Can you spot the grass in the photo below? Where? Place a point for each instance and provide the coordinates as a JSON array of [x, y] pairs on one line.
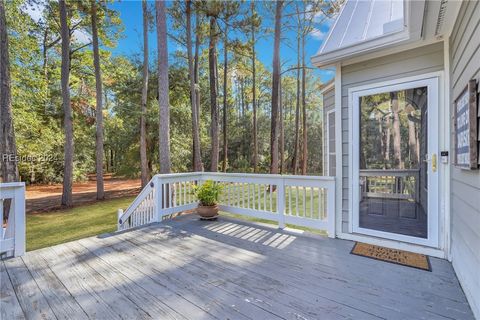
[[48, 229]]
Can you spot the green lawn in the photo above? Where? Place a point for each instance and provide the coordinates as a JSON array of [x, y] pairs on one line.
[[48, 229]]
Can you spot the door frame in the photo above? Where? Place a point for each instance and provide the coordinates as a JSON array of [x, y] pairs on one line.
[[433, 82]]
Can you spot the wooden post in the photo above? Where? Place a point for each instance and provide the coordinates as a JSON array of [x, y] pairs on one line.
[[331, 208], [281, 203], [158, 198], [119, 215]]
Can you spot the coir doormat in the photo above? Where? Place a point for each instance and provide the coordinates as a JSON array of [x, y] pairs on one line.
[[404, 258]]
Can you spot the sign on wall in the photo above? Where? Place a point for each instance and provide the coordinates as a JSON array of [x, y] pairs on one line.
[[465, 124]]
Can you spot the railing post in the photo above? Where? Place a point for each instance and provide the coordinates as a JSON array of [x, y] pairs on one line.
[[331, 209], [158, 198], [19, 213], [119, 214], [281, 203]]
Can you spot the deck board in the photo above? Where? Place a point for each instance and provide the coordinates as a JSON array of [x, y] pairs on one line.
[[225, 269], [9, 305]]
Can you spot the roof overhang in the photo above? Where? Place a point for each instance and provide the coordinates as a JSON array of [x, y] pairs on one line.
[[414, 12], [426, 22]]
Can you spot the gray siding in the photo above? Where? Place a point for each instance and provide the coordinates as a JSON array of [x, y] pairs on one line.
[[328, 104], [465, 185], [404, 64]]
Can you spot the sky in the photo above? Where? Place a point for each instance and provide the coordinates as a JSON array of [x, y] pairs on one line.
[[132, 41]]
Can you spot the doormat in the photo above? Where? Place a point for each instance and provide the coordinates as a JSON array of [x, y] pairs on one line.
[[404, 258]]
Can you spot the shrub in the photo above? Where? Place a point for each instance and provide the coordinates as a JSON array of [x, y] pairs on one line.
[[208, 193]]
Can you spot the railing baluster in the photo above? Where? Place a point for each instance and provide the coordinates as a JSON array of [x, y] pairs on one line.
[[312, 202], [264, 197], [296, 201], [243, 195], [270, 195], [184, 187], [304, 213], [259, 186], [289, 199]]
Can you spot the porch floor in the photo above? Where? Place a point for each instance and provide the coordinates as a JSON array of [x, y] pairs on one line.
[[224, 269]]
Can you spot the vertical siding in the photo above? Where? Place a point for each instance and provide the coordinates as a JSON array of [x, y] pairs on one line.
[[404, 64], [465, 185], [328, 104]]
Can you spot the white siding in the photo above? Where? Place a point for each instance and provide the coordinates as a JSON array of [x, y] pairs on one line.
[[404, 64], [465, 185]]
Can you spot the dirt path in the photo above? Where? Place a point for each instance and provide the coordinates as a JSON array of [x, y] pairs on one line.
[[44, 198]]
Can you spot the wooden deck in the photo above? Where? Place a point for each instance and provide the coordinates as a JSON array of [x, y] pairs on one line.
[[226, 269]]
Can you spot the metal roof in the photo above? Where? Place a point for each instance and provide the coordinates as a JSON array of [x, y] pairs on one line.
[[363, 20]]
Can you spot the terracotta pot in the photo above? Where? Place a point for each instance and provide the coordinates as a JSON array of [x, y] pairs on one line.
[[207, 212]]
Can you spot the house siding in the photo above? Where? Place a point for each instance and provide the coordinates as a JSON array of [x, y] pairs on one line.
[[328, 105], [400, 65], [465, 184]]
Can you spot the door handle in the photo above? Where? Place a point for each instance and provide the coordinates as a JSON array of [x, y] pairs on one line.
[[434, 162]]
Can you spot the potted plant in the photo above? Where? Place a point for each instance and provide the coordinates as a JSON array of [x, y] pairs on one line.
[[207, 195]]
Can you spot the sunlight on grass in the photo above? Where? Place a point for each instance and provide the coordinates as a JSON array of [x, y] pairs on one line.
[[48, 229]]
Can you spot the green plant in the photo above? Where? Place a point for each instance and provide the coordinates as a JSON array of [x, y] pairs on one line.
[[208, 193]]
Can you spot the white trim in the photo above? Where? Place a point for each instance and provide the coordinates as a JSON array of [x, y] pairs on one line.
[[338, 148], [445, 145], [389, 51], [329, 86], [432, 81], [328, 142]]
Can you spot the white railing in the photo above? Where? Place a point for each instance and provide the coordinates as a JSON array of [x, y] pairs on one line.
[[174, 192], [391, 184], [12, 212], [307, 201]]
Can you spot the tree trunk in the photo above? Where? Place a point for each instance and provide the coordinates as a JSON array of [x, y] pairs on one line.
[[163, 99], [276, 78], [197, 85], [388, 130], [212, 65], [225, 106], [99, 107], [282, 131], [8, 147], [296, 148], [254, 95], [196, 73], [67, 108], [304, 110], [197, 161], [397, 149], [412, 144], [145, 174]]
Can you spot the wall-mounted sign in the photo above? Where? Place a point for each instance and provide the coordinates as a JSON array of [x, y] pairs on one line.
[[465, 124]]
